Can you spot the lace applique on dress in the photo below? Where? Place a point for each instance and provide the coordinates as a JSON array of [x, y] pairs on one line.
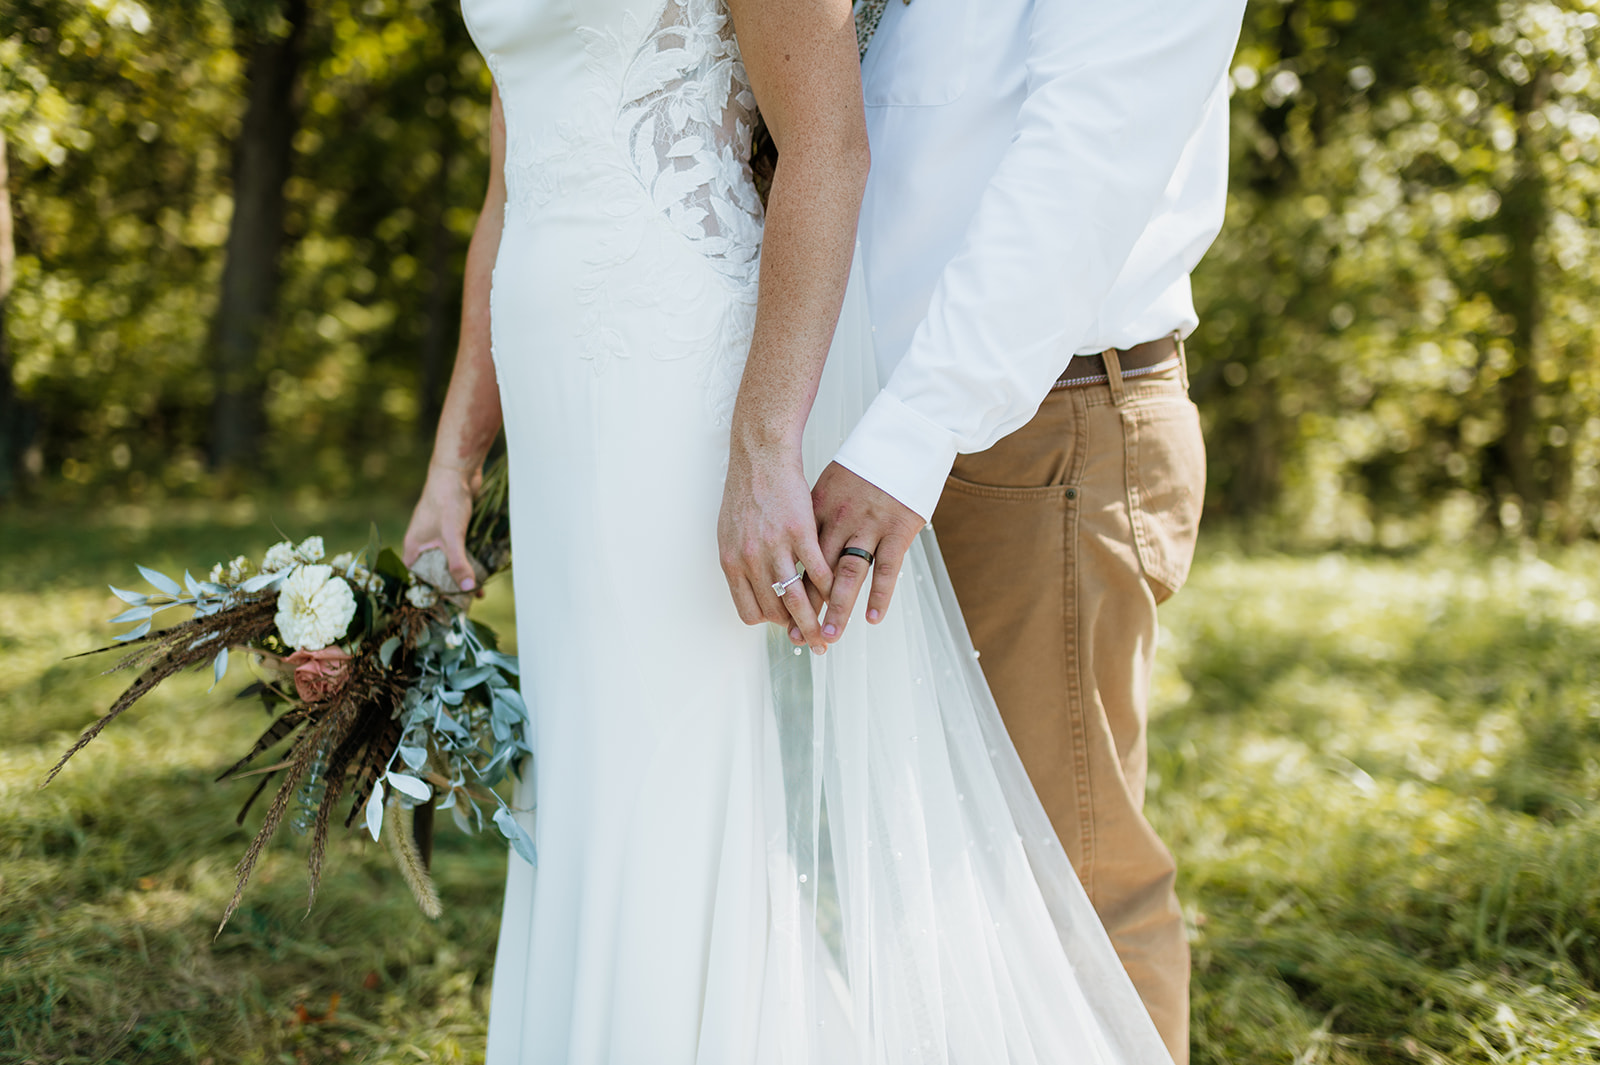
[[684, 118], [684, 114]]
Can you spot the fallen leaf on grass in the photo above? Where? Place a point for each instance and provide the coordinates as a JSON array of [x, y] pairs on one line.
[[303, 1017]]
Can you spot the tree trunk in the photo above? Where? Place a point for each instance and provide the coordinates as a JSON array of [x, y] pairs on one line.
[[1525, 211], [443, 285], [441, 327], [10, 417], [261, 161]]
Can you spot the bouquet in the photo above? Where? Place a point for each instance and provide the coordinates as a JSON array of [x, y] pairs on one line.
[[379, 685]]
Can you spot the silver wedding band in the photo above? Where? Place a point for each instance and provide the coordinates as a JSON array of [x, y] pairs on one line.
[[780, 587]]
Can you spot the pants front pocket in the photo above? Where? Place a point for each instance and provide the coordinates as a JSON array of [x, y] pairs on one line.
[[1166, 488]]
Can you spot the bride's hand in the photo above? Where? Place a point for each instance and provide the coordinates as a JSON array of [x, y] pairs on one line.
[[766, 526], [440, 520]]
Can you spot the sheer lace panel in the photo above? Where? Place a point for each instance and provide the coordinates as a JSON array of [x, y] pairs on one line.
[[685, 117]]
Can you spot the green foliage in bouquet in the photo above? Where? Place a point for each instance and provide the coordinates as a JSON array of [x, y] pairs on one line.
[[380, 687]]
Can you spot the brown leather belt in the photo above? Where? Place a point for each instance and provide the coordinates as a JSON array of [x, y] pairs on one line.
[[1137, 361]]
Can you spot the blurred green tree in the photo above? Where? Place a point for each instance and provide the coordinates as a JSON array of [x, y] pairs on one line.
[[1398, 309], [1398, 333], [9, 415], [139, 170]]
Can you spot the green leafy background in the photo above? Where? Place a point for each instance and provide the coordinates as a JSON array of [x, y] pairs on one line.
[[1376, 734]]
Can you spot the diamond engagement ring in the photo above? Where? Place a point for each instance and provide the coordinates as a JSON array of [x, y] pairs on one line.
[[780, 587]]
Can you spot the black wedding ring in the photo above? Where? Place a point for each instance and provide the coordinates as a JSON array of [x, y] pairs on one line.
[[858, 552]]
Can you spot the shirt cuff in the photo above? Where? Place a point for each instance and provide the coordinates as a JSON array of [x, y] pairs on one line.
[[901, 452]]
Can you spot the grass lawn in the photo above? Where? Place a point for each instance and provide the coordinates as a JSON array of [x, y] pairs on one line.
[[1380, 777]]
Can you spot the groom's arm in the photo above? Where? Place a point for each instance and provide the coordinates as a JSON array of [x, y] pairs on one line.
[[1115, 91]]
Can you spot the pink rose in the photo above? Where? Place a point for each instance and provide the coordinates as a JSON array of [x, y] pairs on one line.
[[319, 675]]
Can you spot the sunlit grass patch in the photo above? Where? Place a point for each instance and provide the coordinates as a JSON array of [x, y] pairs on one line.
[[112, 880], [1380, 779]]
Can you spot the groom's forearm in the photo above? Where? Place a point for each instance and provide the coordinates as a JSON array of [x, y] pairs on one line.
[[1115, 94]]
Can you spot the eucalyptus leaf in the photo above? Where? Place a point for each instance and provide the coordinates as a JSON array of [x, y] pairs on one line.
[[190, 585], [161, 581], [512, 697], [503, 753], [375, 809], [459, 813], [219, 667], [137, 613], [414, 757], [133, 634], [386, 652], [484, 635], [409, 785], [471, 678], [521, 842], [443, 722], [506, 662], [135, 598], [493, 774], [261, 581]]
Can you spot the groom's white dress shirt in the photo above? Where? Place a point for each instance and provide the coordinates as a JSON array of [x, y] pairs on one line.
[[1045, 174]]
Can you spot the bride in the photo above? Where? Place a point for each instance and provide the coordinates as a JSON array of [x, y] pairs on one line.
[[747, 853]]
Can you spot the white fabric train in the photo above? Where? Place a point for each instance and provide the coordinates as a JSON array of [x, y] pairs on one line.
[[922, 909]]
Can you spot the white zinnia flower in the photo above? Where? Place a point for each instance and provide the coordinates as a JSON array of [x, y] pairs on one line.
[[278, 557], [216, 574], [310, 549], [314, 608], [421, 596]]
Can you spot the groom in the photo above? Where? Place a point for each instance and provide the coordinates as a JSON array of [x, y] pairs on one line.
[[1045, 175]]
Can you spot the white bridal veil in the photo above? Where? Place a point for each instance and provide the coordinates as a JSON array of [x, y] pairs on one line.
[[921, 908]]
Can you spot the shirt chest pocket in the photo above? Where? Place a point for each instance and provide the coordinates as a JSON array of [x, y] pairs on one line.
[[920, 55]]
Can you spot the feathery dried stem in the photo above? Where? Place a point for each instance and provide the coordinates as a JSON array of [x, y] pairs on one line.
[[285, 724], [301, 756], [173, 649], [489, 529], [403, 845]]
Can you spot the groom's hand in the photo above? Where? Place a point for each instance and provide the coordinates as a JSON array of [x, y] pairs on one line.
[[853, 512]]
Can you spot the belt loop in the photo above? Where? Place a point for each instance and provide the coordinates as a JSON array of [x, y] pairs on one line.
[[1183, 360], [1113, 374]]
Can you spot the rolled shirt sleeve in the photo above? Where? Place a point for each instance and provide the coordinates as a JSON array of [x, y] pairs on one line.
[[1115, 91]]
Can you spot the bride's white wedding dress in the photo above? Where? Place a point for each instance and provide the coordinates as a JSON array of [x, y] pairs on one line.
[[745, 855]]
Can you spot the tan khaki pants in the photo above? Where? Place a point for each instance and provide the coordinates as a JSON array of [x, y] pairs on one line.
[[1060, 541]]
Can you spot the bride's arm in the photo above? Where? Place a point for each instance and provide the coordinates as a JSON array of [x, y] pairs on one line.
[[470, 417], [804, 68]]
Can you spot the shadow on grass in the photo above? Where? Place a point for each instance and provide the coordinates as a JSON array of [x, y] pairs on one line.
[[109, 906]]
